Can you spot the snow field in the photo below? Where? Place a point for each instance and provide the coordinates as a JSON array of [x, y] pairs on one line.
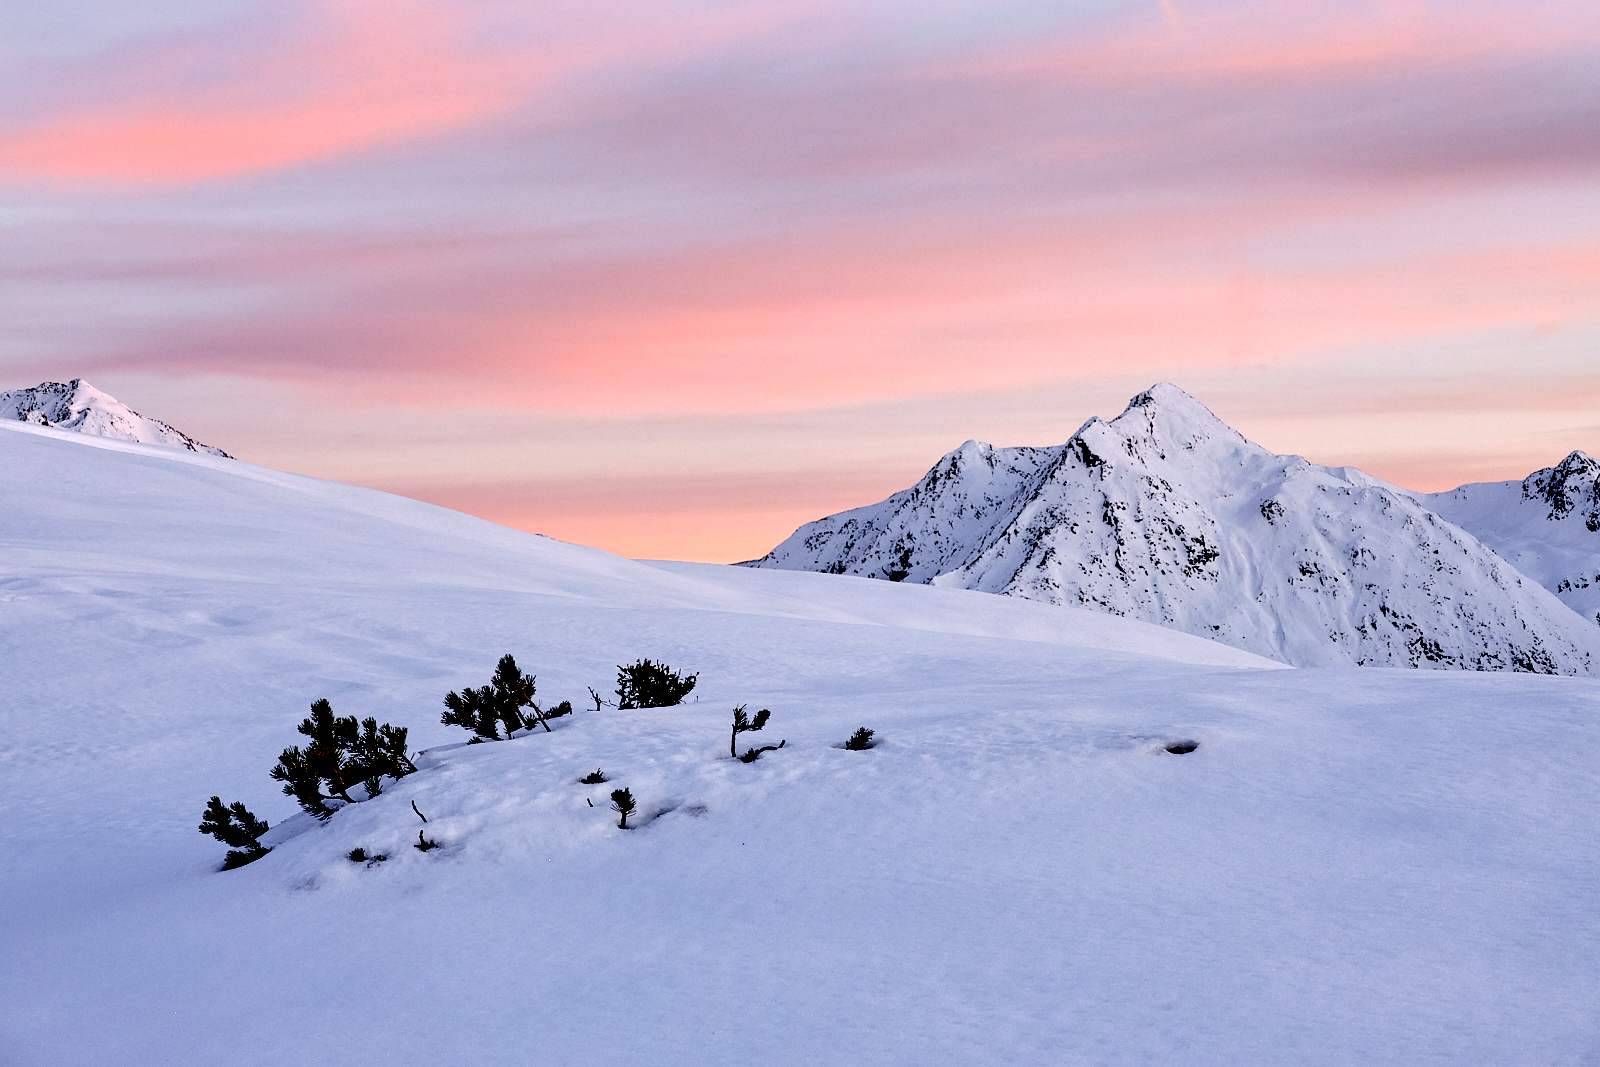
[[1355, 866]]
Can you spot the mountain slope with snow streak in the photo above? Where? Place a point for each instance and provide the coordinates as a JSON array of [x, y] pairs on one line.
[[1547, 526], [1167, 515], [79, 406]]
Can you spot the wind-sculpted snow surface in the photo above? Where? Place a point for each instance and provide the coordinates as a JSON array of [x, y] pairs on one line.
[[1382, 868], [79, 406], [1547, 526], [1166, 514]]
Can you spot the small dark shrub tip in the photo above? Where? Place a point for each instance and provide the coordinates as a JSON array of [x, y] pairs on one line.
[[860, 741], [593, 779]]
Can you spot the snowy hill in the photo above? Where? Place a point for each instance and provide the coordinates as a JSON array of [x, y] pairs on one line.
[[1547, 526], [1166, 514], [1374, 867], [77, 405]]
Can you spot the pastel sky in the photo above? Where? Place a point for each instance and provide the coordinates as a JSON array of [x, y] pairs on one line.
[[671, 278]]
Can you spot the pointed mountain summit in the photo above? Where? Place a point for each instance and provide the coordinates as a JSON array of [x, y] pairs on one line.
[[77, 405], [1547, 526], [1167, 514]]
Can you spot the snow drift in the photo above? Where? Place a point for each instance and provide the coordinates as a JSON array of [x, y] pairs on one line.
[[1166, 514]]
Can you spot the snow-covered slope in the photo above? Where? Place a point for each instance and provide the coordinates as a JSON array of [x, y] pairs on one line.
[[1547, 526], [1373, 867], [1167, 515], [77, 405]]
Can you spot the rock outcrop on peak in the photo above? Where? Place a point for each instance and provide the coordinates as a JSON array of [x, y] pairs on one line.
[[1547, 526], [77, 405], [1167, 514]]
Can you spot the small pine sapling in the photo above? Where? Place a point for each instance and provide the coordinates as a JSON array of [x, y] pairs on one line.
[[234, 825], [593, 779], [622, 803], [425, 844], [359, 855], [651, 685], [860, 741], [743, 724]]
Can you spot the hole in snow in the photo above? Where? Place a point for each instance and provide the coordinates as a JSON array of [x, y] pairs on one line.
[[1180, 748]]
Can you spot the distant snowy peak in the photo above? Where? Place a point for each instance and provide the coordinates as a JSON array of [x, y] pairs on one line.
[[1167, 514], [1547, 525], [77, 405], [1571, 488]]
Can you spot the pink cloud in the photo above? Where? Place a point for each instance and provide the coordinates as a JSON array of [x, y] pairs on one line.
[[310, 82], [759, 207], [318, 79]]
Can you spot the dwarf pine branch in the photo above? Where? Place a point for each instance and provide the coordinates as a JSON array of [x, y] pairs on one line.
[[743, 724], [235, 825]]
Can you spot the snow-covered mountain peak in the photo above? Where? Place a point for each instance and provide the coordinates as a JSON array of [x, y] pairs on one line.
[[1547, 526], [1167, 514], [79, 406], [1571, 485]]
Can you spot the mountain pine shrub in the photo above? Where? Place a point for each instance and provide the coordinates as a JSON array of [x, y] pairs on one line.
[[593, 779], [860, 741], [622, 802], [342, 754], [651, 685], [234, 825], [484, 710]]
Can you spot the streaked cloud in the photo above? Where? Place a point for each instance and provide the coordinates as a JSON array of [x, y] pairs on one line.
[[740, 211]]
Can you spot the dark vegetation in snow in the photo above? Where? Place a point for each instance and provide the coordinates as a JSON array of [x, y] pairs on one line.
[[235, 825], [860, 741], [651, 685], [623, 803], [500, 703], [341, 755], [742, 723]]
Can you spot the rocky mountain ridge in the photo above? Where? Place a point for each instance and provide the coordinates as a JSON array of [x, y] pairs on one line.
[[1168, 515], [1547, 526]]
